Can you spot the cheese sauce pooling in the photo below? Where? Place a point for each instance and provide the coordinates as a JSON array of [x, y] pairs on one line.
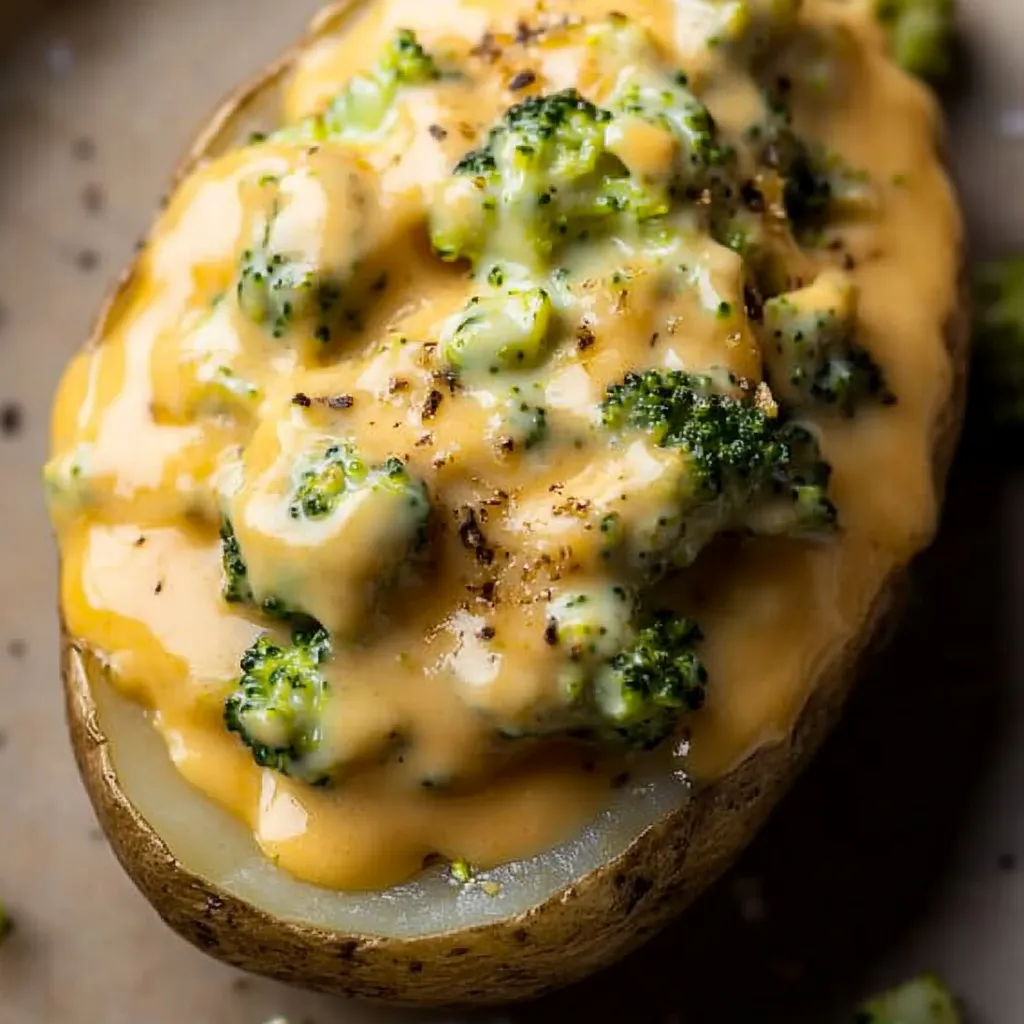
[[207, 387]]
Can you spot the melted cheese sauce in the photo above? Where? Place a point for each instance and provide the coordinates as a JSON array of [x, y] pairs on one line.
[[147, 427]]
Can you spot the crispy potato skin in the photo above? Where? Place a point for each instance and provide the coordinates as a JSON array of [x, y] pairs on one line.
[[588, 925]]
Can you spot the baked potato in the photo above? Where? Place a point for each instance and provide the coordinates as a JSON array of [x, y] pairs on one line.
[[469, 359]]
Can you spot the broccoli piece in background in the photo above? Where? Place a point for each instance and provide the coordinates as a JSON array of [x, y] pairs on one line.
[[807, 188], [278, 708], [809, 349], [998, 383], [499, 332], [623, 682], [749, 28], [361, 109], [920, 34], [924, 1000]]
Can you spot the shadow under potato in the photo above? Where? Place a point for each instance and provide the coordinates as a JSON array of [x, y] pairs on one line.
[[864, 841]]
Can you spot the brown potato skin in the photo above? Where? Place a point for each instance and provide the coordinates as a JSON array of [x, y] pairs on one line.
[[588, 925]]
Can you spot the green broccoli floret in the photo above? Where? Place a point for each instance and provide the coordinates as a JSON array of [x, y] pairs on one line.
[[809, 348], [807, 188], [275, 289], [749, 28], [925, 1000], [544, 177], [338, 473], [506, 331], [736, 462], [623, 682], [333, 531], [235, 588], [920, 34], [278, 707], [526, 420], [649, 684], [999, 340], [669, 104], [361, 109]]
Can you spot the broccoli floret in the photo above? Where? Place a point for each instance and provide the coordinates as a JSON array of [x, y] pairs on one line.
[[275, 289], [330, 530], [925, 1000], [795, 501], [545, 176], [361, 109], [650, 683], [999, 340], [807, 188], [526, 420], [506, 331], [736, 464], [315, 275], [278, 707], [339, 473], [623, 682], [672, 107], [749, 28], [920, 34], [235, 588], [809, 348]]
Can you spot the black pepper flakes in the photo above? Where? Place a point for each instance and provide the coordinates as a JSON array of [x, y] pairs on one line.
[[432, 404], [473, 538], [486, 633], [585, 336], [340, 402], [487, 48], [522, 80], [302, 400], [437, 133], [551, 633], [525, 34], [159, 588]]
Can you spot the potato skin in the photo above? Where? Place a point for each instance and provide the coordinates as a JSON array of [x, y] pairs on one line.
[[588, 925]]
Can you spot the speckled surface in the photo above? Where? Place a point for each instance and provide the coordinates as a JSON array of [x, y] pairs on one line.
[[900, 851]]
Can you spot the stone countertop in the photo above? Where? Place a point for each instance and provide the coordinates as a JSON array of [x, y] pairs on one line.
[[898, 853]]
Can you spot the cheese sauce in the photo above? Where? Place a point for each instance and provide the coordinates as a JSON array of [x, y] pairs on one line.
[[191, 408]]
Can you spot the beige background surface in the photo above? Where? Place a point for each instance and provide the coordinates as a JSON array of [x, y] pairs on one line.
[[899, 853]]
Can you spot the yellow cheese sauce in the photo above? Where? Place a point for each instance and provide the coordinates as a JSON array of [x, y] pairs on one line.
[[188, 410]]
